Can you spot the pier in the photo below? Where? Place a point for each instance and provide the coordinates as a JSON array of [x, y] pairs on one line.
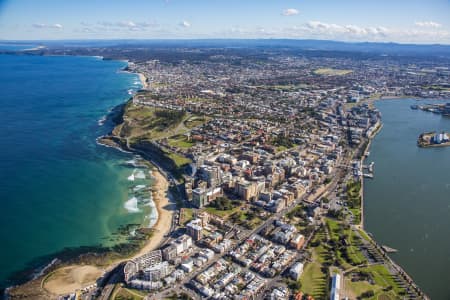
[[369, 168]]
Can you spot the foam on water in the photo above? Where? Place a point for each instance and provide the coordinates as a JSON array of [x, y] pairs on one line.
[[132, 205], [131, 177], [139, 175], [153, 216], [147, 201], [63, 147], [139, 187], [101, 122], [136, 162], [108, 146], [131, 162]]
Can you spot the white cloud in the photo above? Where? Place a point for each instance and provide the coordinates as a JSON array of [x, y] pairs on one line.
[[127, 25], [348, 32], [290, 12], [355, 31], [429, 24], [317, 25], [147, 24], [185, 24], [420, 32], [42, 25]]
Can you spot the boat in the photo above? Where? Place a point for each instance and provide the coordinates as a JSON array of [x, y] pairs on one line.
[[414, 106]]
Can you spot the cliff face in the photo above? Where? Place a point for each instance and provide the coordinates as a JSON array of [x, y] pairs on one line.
[[139, 128], [117, 113], [157, 154]]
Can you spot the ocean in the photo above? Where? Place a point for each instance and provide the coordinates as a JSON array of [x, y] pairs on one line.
[[407, 204], [58, 187]]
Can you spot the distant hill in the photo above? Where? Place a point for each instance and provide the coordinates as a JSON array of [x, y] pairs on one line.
[[323, 45]]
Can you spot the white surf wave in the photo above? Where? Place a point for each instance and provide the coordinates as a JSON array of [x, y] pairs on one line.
[[131, 162], [139, 187], [132, 205], [139, 175], [101, 122], [153, 216]]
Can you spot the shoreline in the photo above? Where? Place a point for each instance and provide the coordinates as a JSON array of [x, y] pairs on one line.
[[165, 207], [143, 80], [435, 145], [364, 157], [162, 198], [62, 283], [142, 77], [372, 239], [163, 203], [407, 97]]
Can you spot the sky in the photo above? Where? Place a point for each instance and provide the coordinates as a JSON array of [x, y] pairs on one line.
[[403, 21]]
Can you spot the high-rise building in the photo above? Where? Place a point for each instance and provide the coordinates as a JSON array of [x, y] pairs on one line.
[[246, 190], [157, 272], [148, 260], [194, 229], [199, 197]]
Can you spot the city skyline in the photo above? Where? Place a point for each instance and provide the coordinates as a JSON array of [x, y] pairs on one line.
[[355, 21]]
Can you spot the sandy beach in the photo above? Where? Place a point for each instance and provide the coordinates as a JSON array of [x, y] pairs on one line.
[[143, 80], [71, 278], [165, 208]]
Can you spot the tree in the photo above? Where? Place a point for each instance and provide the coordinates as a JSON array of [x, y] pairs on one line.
[[368, 294], [222, 203]]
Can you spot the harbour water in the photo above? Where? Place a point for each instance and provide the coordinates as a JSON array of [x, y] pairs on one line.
[[58, 187], [407, 204]]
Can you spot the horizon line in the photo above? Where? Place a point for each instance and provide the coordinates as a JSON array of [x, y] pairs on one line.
[[221, 39]]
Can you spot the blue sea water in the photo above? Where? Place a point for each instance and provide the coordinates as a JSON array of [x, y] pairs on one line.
[[58, 188]]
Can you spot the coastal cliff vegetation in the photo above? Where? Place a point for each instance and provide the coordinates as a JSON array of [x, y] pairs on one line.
[[155, 131]]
